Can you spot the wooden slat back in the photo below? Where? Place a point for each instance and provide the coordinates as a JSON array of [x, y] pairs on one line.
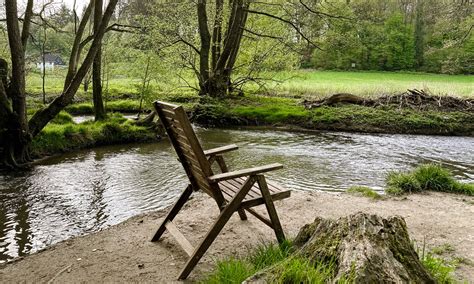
[[188, 148]]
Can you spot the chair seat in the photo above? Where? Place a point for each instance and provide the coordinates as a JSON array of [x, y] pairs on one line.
[[254, 197]]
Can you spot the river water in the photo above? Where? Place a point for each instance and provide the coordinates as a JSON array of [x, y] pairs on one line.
[[88, 190]]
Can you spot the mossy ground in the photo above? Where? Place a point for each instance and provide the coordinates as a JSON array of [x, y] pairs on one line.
[[264, 110], [62, 134]]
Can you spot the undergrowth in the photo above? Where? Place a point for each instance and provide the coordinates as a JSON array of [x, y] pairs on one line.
[[426, 177]]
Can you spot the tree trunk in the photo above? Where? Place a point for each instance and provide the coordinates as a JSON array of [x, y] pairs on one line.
[[99, 109], [217, 61], [17, 131], [361, 247], [42, 117]]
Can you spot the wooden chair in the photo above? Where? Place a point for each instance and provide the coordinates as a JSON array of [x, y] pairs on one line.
[[233, 191]]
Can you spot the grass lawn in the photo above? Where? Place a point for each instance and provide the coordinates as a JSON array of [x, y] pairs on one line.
[[312, 83], [306, 83]]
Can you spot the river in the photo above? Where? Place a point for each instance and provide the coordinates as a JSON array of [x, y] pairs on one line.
[[85, 191]]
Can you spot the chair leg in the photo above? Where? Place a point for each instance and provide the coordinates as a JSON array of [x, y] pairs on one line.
[[216, 228], [267, 198], [173, 212], [242, 214]]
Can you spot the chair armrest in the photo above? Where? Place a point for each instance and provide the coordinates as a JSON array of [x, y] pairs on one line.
[[220, 150], [244, 172]]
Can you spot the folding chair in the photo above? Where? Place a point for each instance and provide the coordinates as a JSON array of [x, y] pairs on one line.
[[233, 191]]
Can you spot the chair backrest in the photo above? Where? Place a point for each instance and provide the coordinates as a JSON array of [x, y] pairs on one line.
[[187, 147]]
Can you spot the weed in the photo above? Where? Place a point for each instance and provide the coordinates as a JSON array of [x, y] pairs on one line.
[[364, 191]]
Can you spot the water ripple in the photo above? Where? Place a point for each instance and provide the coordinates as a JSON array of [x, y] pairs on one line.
[[88, 190]]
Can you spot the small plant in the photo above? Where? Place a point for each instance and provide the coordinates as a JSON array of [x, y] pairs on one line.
[[364, 191], [300, 270], [426, 177], [439, 268], [230, 271]]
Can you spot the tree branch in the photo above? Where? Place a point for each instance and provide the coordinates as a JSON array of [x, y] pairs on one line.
[[287, 22]]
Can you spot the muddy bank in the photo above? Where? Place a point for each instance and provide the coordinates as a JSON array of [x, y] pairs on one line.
[[123, 253]]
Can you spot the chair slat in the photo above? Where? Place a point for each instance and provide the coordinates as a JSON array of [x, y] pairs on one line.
[[236, 186]]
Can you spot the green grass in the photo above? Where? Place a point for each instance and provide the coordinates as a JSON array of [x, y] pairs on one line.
[[426, 177], [62, 137], [311, 83], [297, 83], [288, 269], [364, 191], [441, 268], [114, 106]]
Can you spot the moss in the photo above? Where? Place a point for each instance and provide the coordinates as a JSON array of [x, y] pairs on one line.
[[426, 177], [57, 138], [262, 110], [364, 191]]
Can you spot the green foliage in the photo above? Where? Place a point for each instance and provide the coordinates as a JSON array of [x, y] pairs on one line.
[[62, 137], [439, 268], [364, 191], [426, 177]]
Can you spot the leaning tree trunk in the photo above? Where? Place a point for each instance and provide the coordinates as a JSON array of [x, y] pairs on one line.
[[361, 247]]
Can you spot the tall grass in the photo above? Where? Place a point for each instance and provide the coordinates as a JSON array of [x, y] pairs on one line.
[[426, 177]]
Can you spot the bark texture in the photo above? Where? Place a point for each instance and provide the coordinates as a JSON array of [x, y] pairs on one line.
[[362, 247]]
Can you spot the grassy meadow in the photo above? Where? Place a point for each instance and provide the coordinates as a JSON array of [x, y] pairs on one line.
[[312, 83], [298, 83]]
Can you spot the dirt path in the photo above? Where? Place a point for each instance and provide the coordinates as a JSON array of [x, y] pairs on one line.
[[123, 253]]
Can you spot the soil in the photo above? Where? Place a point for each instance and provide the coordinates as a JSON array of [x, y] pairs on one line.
[[124, 253]]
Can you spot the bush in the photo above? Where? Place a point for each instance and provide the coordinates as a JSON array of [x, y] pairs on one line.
[[426, 177]]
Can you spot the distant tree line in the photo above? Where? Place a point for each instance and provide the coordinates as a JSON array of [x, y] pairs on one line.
[[425, 35]]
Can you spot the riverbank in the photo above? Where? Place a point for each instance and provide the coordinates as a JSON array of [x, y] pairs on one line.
[[290, 112], [63, 135], [123, 253]]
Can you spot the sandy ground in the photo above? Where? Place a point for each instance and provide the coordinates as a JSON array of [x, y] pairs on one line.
[[124, 253]]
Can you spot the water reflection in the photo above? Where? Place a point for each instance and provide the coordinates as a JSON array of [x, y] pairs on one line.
[[86, 191]]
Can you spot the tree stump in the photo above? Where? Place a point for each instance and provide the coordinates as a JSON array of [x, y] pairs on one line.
[[364, 248]]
